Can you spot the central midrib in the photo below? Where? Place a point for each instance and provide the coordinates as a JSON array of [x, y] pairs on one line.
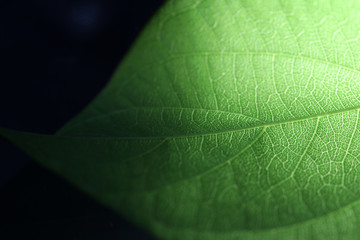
[[260, 125]]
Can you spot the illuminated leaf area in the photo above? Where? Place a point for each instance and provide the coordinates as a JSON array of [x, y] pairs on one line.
[[227, 120]]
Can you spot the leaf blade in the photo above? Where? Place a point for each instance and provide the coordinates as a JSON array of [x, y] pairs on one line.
[[227, 120]]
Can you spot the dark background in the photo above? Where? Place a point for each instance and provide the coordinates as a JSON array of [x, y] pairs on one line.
[[55, 56]]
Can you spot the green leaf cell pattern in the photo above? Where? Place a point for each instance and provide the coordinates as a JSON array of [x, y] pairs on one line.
[[227, 120]]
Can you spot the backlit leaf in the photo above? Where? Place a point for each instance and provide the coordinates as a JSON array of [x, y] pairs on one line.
[[227, 120]]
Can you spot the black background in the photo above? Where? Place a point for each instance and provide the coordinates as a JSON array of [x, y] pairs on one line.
[[55, 56]]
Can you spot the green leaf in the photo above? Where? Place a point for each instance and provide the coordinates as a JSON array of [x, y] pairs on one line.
[[227, 120]]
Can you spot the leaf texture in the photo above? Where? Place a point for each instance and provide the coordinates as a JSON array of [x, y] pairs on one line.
[[227, 120]]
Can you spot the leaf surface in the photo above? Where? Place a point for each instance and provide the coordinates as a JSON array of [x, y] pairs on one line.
[[226, 120]]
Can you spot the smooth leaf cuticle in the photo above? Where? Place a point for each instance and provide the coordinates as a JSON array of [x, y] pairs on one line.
[[227, 120]]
